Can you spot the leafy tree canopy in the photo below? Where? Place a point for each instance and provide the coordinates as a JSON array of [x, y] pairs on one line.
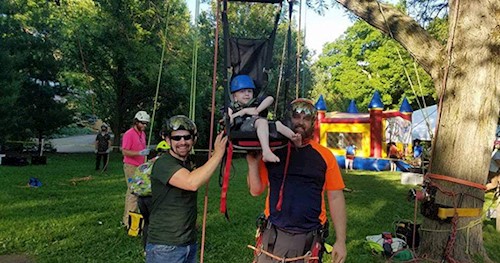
[[30, 50], [362, 61]]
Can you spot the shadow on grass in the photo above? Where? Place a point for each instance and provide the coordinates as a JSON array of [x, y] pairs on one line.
[[61, 222]]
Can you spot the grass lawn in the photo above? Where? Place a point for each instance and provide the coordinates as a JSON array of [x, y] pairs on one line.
[[65, 221]]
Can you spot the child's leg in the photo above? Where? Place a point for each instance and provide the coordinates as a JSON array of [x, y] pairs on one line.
[[493, 182], [262, 128], [287, 132], [346, 163]]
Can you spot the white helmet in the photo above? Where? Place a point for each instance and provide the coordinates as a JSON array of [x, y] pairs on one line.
[[142, 116]]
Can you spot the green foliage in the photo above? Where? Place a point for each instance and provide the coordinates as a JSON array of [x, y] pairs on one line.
[[113, 50], [106, 53], [41, 112], [362, 61], [30, 50], [438, 28], [70, 219], [256, 21], [9, 91]]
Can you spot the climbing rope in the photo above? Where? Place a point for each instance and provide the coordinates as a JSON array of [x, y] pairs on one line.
[[285, 54], [158, 81], [453, 232], [86, 75], [280, 74], [445, 77], [212, 122], [297, 67], [194, 64], [307, 257], [426, 116], [303, 95], [424, 113]]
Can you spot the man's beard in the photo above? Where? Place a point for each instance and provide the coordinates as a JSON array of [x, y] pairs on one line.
[[306, 134]]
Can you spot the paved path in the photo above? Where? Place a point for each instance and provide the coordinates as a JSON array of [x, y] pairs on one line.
[[74, 144]]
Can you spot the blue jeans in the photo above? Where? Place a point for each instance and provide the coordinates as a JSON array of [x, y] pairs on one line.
[[170, 254]]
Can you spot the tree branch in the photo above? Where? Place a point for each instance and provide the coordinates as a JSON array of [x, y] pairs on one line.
[[422, 46]]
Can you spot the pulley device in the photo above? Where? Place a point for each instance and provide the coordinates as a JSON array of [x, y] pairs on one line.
[[443, 213]]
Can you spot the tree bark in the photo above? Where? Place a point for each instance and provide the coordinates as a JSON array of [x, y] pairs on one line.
[[468, 120], [469, 108]]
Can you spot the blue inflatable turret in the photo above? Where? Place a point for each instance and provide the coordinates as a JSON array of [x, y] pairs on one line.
[[352, 107], [376, 102], [320, 104], [405, 107]]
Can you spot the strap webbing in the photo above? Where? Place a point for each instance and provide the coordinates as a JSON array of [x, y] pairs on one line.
[[227, 66], [288, 62], [225, 179], [280, 200]]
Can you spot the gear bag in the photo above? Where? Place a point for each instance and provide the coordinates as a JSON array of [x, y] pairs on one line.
[[404, 230], [385, 244], [140, 183], [135, 224]]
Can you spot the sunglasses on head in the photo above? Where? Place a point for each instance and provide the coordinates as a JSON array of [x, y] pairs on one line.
[[303, 108], [179, 137]]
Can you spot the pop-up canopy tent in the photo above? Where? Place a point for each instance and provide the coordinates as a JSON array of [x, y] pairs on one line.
[[423, 131], [424, 123]]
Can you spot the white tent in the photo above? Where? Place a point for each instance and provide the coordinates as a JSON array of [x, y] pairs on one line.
[[423, 123]]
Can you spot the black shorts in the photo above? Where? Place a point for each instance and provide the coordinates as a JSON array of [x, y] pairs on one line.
[[249, 124]]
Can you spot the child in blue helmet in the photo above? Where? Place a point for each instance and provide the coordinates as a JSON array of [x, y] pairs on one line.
[[250, 115]]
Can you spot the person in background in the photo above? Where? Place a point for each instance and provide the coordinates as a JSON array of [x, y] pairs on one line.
[[144, 203], [418, 150], [172, 235], [134, 154], [350, 153], [394, 154], [102, 148], [162, 146], [295, 212], [494, 173]]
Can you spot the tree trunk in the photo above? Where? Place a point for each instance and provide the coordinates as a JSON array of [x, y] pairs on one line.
[[469, 109], [118, 122], [467, 123], [40, 144]]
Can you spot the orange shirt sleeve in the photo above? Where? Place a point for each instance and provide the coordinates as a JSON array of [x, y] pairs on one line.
[[333, 177]]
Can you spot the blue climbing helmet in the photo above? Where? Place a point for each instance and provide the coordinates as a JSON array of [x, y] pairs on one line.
[[242, 82]]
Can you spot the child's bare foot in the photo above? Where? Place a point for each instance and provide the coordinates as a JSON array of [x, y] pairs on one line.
[[270, 157], [297, 139], [491, 186]]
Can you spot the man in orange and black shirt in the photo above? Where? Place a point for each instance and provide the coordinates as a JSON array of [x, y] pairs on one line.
[[295, 207]]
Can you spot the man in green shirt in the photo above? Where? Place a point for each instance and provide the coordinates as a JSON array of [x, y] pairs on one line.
[[174, 184]]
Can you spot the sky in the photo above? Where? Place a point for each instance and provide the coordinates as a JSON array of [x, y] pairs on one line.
[[318, 30]]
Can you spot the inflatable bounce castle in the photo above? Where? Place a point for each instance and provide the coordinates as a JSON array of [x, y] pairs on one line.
[[370, 132]]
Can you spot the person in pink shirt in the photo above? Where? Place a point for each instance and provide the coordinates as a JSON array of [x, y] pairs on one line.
[[134, 152]]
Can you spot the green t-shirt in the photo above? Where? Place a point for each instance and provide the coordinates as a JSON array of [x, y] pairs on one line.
[[174, 210]]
